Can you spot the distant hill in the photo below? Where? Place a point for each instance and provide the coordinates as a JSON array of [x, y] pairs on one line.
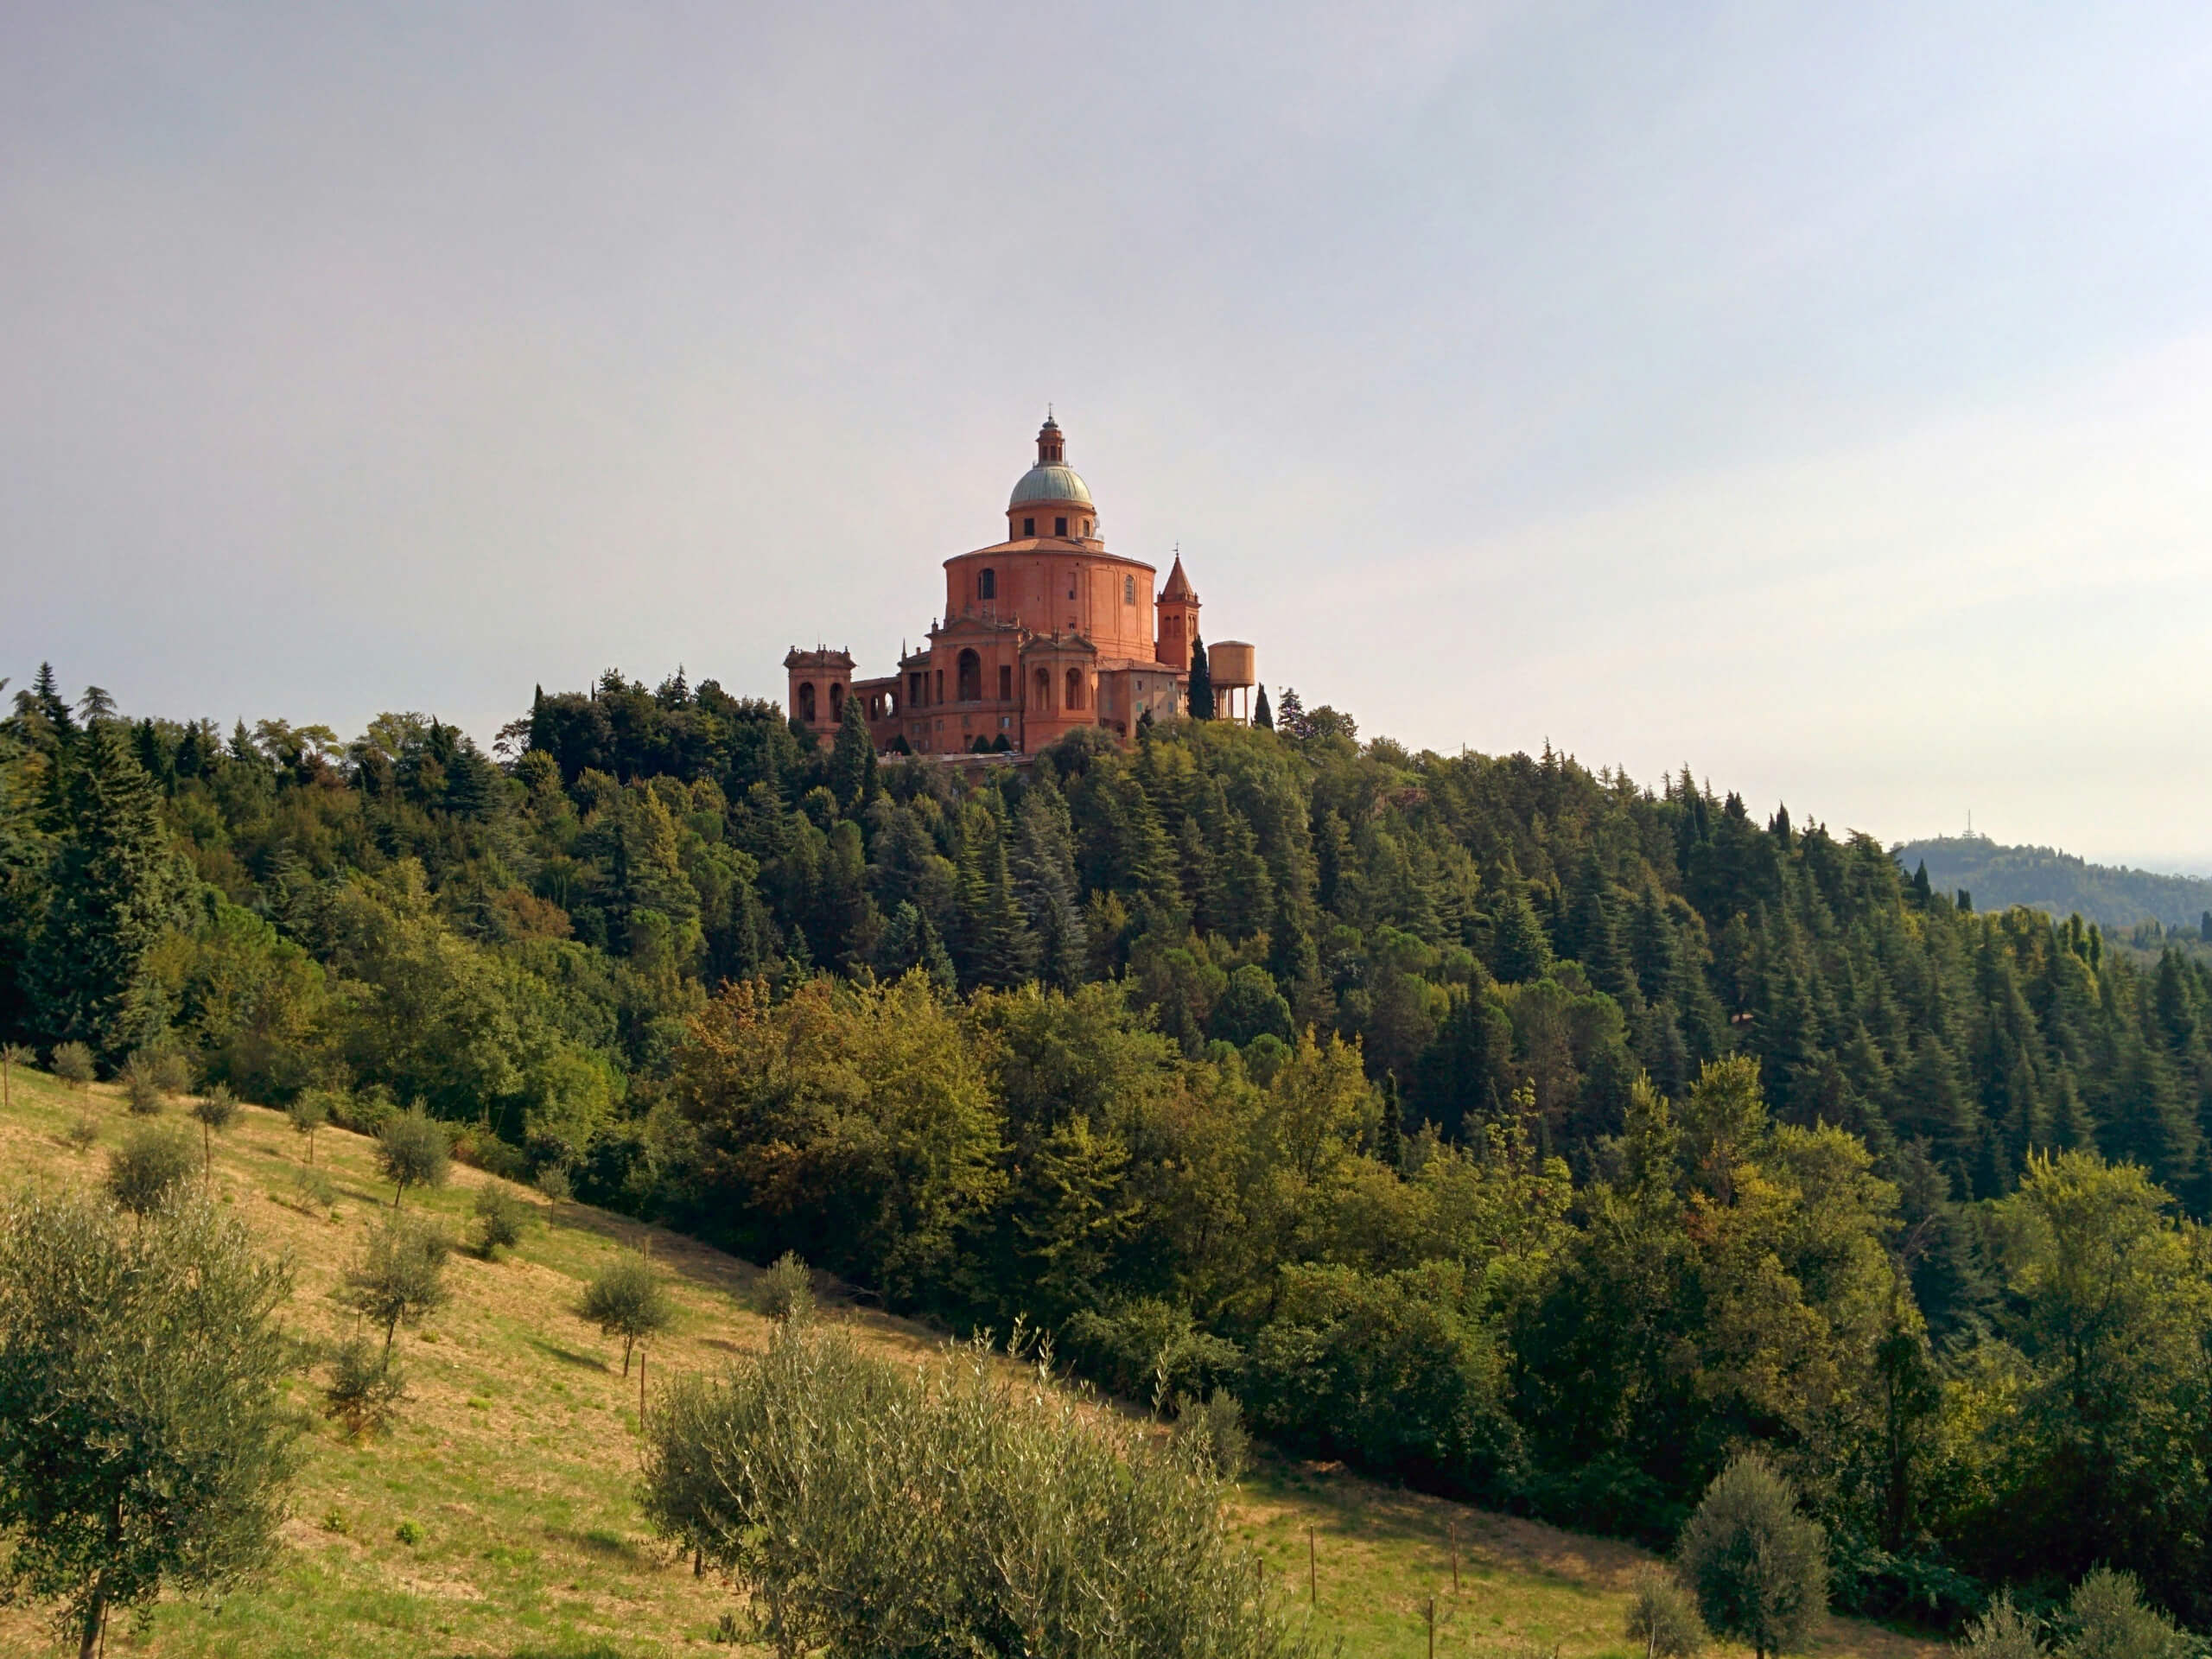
[[1999, 877]]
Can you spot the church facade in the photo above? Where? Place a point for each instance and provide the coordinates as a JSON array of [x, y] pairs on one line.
[[1042, 633]]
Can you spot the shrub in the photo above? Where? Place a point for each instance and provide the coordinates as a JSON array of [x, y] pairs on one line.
[[1758, 1568], [408, 1533], [400, 1277], [501, 1218], [2001, 1631], [82, 1133], [141, 1086], [312, 1189], [787, 1288], [1213, 1430], [1050, 1529], [73, 1064], [626, 1300], [479, 1148], [152, 1162], [172, 1070], [553, 1182], [364, 1393], [145, 1447], [2106, 1618], [412, 1151], [308, 1111], [1662, 1619]]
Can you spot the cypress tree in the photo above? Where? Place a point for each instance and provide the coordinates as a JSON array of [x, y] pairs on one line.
[[1264, 717], [1200, 696]]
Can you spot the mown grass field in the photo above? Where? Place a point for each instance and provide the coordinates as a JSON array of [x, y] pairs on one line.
[[513, 1466]]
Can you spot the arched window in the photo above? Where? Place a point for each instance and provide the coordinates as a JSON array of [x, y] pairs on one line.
[[1128, 590], [986, 585], [837, 700], [1043, 694], [971, 678], [806, 702], [1075, 688]]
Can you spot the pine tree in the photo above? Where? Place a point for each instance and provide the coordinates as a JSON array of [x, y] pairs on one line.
[[113, 885], [852, 759], [1519, 949], [1264, 717], [1199, 698], [1043, 867]]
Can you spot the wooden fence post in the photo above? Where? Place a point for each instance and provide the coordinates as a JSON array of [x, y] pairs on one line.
[[1455, 1558], [1313, 1572], [1431, 1627]]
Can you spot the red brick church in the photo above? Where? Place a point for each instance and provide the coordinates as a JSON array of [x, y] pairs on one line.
[[1042, 633]]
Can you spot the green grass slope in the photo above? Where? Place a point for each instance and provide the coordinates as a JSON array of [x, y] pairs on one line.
[[514, 1464]]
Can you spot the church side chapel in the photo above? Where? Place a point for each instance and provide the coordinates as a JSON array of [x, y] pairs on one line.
[[1042, 633]]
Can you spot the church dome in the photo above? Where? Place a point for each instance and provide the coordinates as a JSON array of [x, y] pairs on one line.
[[1051, 483]]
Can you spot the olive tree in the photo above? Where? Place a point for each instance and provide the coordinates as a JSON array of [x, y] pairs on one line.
[[217, 1110], [72, 1065], [626, 1300], [143, 1444], [153, 1162], [400, 1277], [11, 1056], [2107, 1618], [142, 1085], [871, 1507], [1661, 1618], [308, 1111], [500, 1220], [1758, 1567], [412, 1151], [2001, 1630]]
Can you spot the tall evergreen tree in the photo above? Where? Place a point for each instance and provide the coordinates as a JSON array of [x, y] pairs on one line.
[[113, 888], [1200, 696], [852, 759], [1264, 717], [1519, 949]]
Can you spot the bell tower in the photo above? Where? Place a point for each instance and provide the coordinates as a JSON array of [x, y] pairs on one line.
[[1178, 619]]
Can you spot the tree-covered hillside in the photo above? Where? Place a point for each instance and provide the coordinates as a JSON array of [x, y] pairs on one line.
[[1518, 1131], [2059, 884]]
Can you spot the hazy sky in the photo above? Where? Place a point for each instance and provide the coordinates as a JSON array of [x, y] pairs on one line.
[[1821, 396]]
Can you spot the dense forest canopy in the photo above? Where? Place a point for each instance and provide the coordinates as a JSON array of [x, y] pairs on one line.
[[1521, 1131], [1997, 877]]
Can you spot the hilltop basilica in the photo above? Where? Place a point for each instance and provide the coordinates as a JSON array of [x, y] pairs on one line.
[[1042, 633]]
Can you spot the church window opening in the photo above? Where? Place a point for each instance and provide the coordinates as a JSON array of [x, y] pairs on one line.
[[1006, 682], [986, 585], [806, 702], [1086, 526], [1128, 590], [940, 686], [1044, 694], [1059, 527], [1075, 688], [971, 678], [1029, 526], [836, 703]]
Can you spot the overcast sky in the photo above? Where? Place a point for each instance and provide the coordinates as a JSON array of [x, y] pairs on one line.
[[1820, 396]]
